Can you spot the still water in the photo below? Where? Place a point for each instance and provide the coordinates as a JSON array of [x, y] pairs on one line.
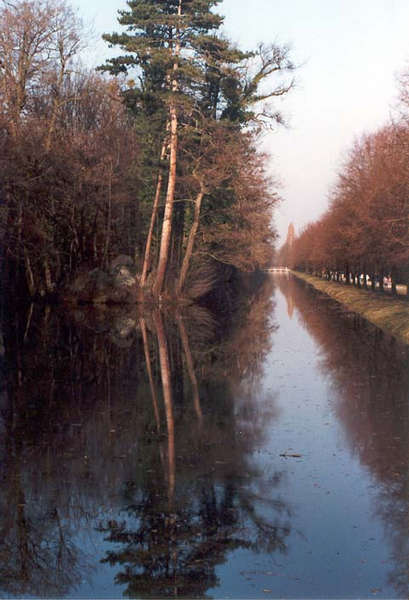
[[261, 454]]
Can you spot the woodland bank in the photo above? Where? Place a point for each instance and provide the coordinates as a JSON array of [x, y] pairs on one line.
[[156, 161], [388, 313]]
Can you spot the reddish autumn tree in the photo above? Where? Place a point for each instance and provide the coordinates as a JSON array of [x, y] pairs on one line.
[[237, 226], [366, 228]]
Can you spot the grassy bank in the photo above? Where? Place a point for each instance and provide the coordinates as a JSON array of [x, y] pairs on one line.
[[389, 313]]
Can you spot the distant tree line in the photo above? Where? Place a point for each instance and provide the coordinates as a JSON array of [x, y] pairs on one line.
[[156, 158], [364, 235]]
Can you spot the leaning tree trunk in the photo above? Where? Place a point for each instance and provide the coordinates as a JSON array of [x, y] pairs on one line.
[[190, 368], [190, 243], [29, 274]]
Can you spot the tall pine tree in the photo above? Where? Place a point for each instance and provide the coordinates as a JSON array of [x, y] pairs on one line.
[[189, 78], [165, 41]]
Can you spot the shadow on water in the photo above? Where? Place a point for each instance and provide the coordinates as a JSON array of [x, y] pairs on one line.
[[370, 376], [128, 445]]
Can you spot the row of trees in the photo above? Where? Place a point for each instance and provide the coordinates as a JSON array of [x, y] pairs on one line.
[[156, 160], [364, 235]]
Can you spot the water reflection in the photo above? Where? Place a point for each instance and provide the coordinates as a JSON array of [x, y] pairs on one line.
[[140, 453], [369, 372], [128, 442]]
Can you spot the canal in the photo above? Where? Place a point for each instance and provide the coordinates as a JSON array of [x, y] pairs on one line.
[[257, 452]]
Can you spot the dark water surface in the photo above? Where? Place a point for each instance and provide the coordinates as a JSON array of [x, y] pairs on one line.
[[261, 455]]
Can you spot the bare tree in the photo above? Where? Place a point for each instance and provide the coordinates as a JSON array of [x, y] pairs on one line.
[[38, 40]]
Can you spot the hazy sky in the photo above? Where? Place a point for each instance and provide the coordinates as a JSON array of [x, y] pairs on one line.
[[349, 52]]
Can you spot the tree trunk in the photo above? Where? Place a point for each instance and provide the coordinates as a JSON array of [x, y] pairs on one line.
[[168, 214], [347, 274], [393, 281], [28, 321], [29, 274], [170, 193], [55, 109], [49, 286], [381, 276], [108, 229], [190, 368], [178, 232], [146, 258], [150, 375], [190, 243], [167, 399]]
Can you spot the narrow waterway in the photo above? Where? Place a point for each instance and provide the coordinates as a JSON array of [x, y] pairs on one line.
[[264, 454]]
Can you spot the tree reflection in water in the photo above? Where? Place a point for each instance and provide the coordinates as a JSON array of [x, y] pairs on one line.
[[370, 372], [143, 418]]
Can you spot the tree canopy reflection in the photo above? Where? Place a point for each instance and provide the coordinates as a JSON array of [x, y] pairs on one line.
[[132, 428]]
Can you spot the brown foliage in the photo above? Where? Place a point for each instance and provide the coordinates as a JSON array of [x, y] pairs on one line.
[[243, 234], [65, 204], [366, 228]]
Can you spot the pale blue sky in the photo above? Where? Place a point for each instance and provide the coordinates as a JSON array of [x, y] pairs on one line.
[[350, 51]]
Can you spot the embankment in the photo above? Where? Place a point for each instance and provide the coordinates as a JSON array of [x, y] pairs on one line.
[[386, 312]]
